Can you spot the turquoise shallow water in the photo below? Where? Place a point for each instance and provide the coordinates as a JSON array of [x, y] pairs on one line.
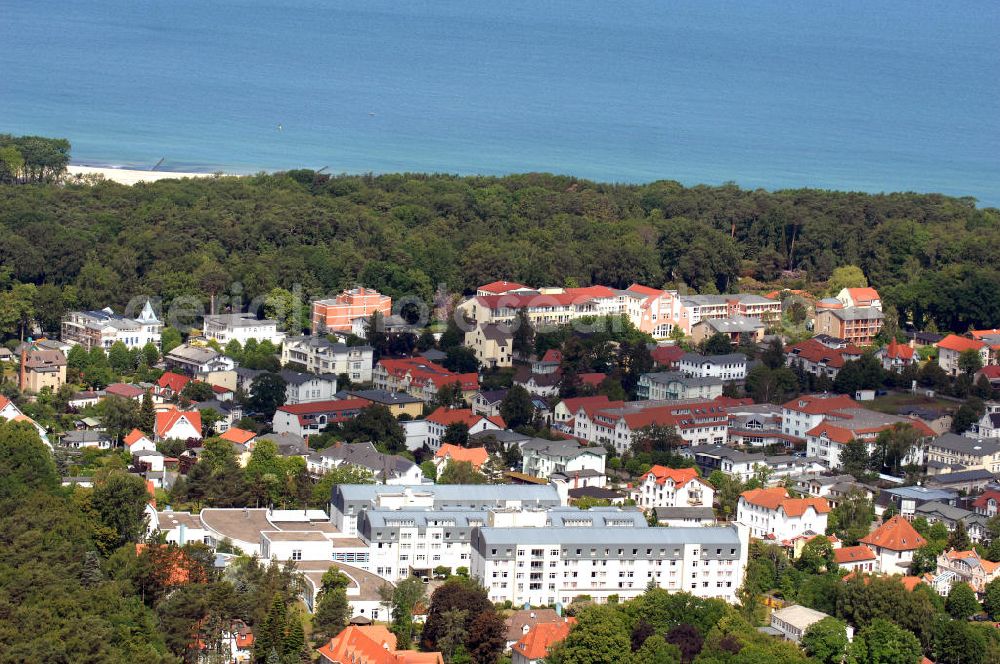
[[869, 96]]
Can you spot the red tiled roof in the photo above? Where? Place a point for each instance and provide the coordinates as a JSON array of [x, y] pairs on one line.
[[896, 534], [988, 566], [777, 498], [645, 290], [816, 404], [173, 381], [985, 497], [446, 416], [667, 355], [331, 406], [552, 355], [501, 287], [371, 644], [898, 351], [423, 371], [477, 456], [219, 389], [593, 379], [959, 344], [133, 437], [853, 554], [680, 476], [992, 372], [573, 405], [817, 353], [862, 296], [681, 416], [537, 643], [124, 390], [237, 435], [166, 420]]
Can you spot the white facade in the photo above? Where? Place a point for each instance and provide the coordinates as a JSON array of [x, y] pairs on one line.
[[308, 388], [788, 519], [725, 367], [319, 355], [543, 458], [544, 566], [101, 329], [224, 328], [666, 487]]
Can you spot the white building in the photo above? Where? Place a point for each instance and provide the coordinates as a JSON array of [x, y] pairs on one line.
[[894, 543], [320, 355], [726, 367], [439, 421], [308, 387], [542, 566], [544, 458], [673, 487], [242, 328], [385, 468], [197, 360], [101, 329], [792, 622], [771, 514], [670, 385], [678, 517], [175, 424]]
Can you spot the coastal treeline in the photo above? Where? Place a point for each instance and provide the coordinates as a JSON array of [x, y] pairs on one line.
[[32, 159], [936, 259]]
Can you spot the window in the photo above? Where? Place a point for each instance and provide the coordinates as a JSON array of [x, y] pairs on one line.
[[296, 554]]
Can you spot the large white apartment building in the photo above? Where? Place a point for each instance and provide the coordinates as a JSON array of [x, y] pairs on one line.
[[541, 566], [101, 329], [224, 328], [725, 367], [698, 421], [320, 355], [409, 542], [772, 514], [349, 501]]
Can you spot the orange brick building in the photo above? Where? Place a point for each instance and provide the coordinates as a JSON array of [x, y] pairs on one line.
[[336, 314]]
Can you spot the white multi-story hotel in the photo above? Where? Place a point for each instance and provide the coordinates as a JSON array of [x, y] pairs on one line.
[[541, 566], [101, 329], [772, 514], [224, 328], [320, 355], [409, 542]]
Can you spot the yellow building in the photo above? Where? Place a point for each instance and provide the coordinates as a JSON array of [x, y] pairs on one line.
[[41, 369], [398, 403]]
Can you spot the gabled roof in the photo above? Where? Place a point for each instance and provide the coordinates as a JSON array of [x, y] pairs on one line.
[[667, 355], [552, 355], [573, 405], [322, 407], [173, 381], [960, 344], [896, 534], [680, 476], [816, 352], [371, 644], [167, 420], [820, 404], [897, 351], [863, 295], [777, 498], [972, 558], [237, 435], [477, 456], [133, 437], [500, 287], [537, 643], [124, 390], [990, 494], [447, 416], [853, 554]]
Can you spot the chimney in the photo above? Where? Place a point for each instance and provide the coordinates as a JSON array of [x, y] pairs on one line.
[[22, 383]]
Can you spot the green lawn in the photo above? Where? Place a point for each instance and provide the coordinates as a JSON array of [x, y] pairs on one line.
[[892, 403]]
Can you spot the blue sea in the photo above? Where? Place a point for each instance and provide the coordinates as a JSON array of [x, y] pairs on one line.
[[858, 95]]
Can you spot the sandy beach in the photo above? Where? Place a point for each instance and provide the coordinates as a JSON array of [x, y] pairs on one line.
[[129, 176]]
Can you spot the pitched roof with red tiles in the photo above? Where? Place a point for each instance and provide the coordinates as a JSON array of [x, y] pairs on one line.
[[133, 437], [680, 415], [853, 554], [500, 287], [863, 296], [477, 456], [986, 496], [168, 419], [124, 390], [972, 558], [447, 416], [645, 290], [896, 534], [960, 344], [777, 498], [593, 378], [813, 351], [992, 372], [982, 334], [898, 351], [819, 404], [320, 407], [680, 476], [371, 644], [422, 372], [538, 642], [237, 435], [552, 355], [574, 404], [173, 381], [667, 355]]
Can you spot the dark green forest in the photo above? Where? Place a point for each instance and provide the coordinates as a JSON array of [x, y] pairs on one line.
[[933, 257]]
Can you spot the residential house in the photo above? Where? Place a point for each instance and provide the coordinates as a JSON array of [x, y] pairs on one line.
[[893, 543], [304, 419], [477, 456], [338, 313], [737, 328], [522, 621], [685, 517], [856, 325], [856, 559], [195, 360], [970, 453], [487, 402], [535, 646], [968, 567], [137, 441], [967, 481], [371, 644], [420, 378], [860, 297], [672, 385], [230, 412], [320, 355], [951, 516], [385, 468], [11, 413], [500, 288], [537, 383], [308, 387], [101, 329], [988, 425], [492, 344], [905, 500], [950, 349], [170, 385], [666, 355], [176, 424], [697, 308], [803, 413], [125, 391], [82, 439], [828, 439], [224, 328], [772, 514], [819, 359], [895, 356], [289, 444], [545, 458], [698, 422], [726, 367], [758, 425], [41, 369], [992, 339], [398, 403], [988, 504], [565, 412], [673, 487], [439, 421]]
